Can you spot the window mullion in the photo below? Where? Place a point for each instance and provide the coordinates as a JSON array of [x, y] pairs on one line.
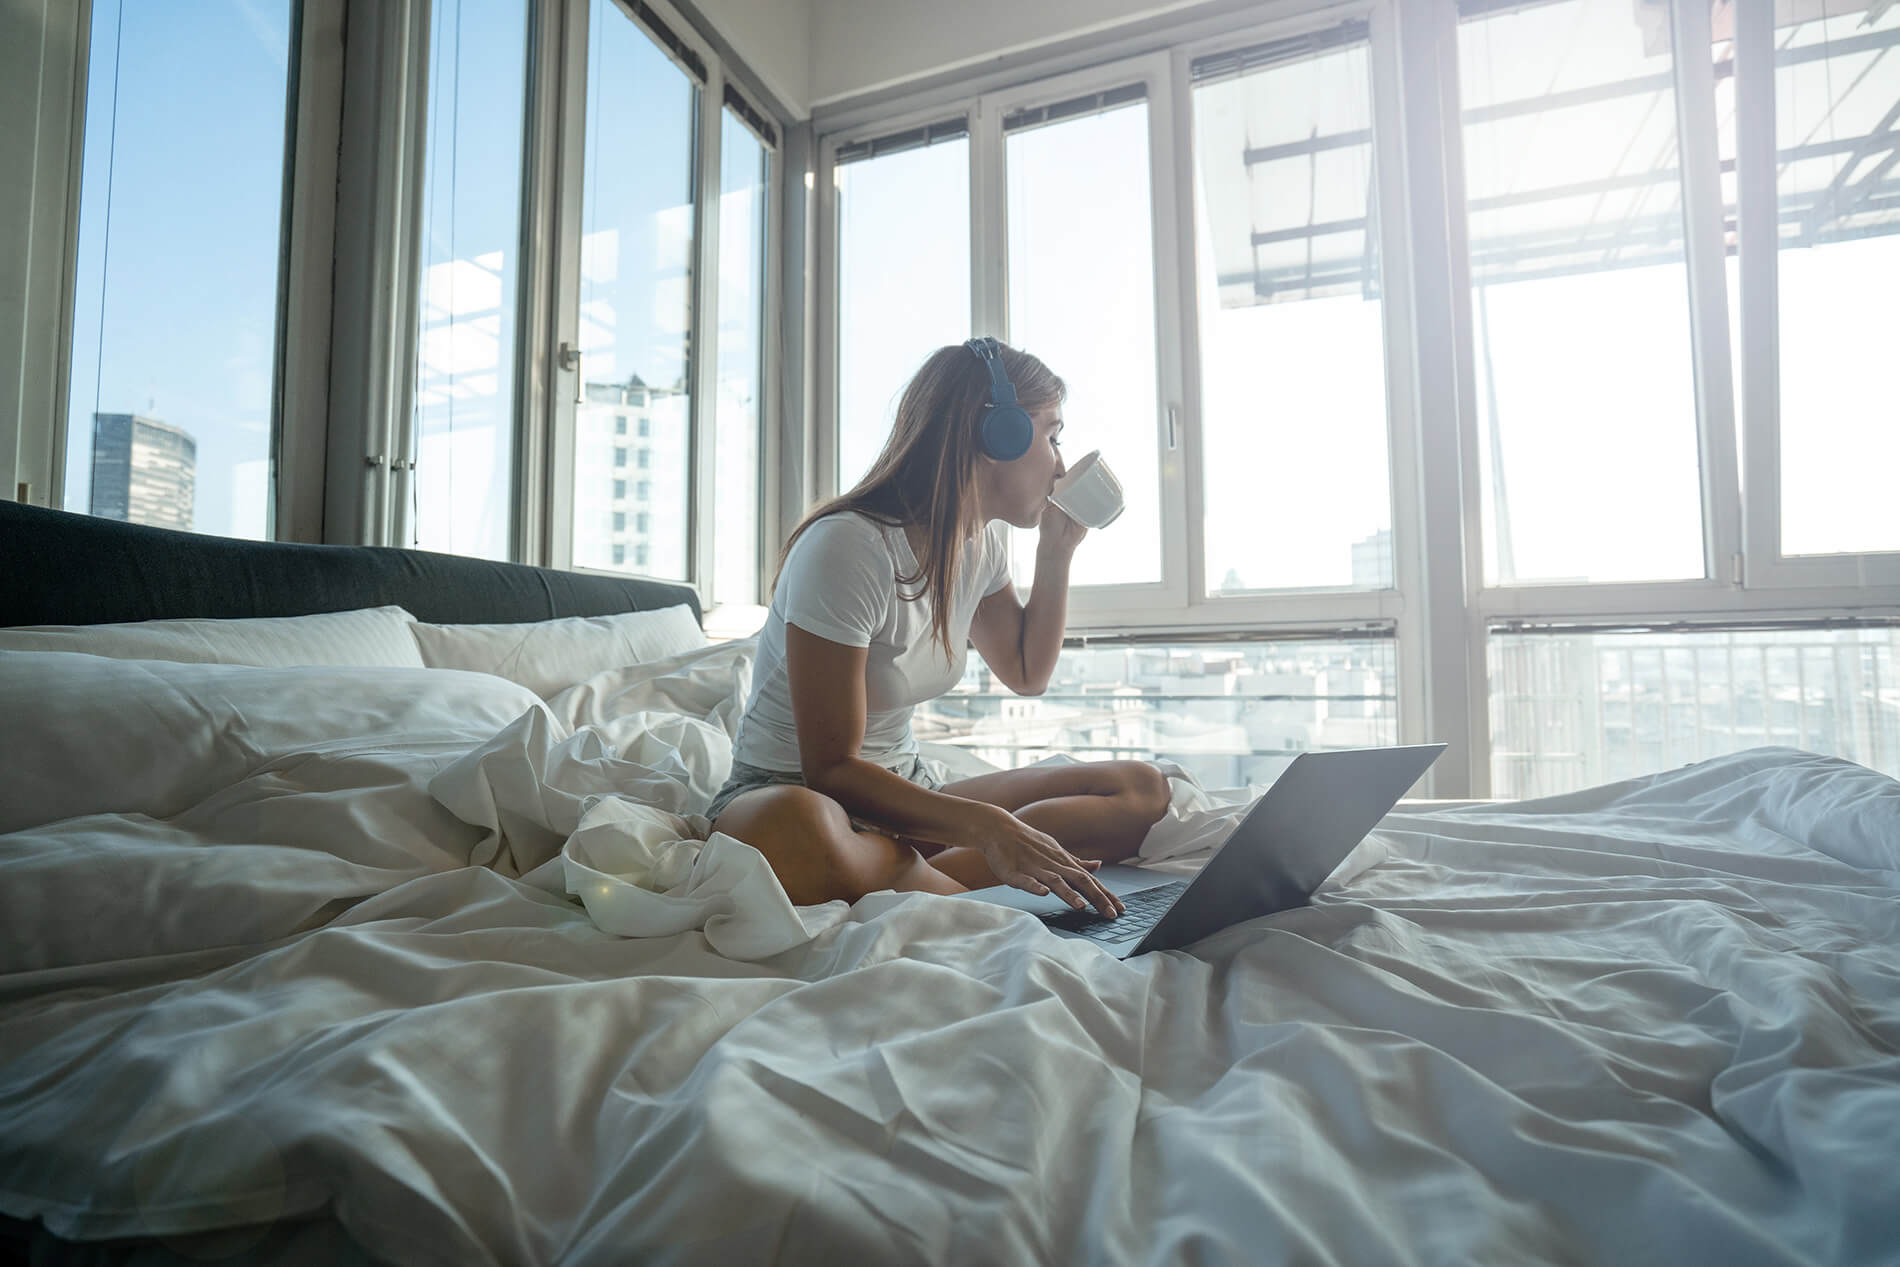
[[1708, 285], [1408, 495], [1187, 458], [704, 370], [541, 233], [1451, 686], [372, 337], [1170, 158], [1757, 234], [989, 222], [308, 291]]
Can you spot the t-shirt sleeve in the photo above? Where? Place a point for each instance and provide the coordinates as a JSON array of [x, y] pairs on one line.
[[838, 581], [997, 556]]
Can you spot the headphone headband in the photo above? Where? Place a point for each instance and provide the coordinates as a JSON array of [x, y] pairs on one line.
[[988, 351]]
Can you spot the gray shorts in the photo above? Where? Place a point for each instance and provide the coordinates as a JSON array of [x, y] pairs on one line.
[[746, 777]]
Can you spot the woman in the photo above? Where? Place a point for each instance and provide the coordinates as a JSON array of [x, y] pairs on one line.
[[878, 593]]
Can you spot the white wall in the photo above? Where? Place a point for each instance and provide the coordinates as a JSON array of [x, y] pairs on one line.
[[774, 39], [861, 45]]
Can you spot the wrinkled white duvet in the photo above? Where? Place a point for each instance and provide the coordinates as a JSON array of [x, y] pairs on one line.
[[1652, 1022]]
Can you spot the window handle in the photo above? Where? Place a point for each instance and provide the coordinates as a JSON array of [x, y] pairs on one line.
[[569, 358], [1173, 427]]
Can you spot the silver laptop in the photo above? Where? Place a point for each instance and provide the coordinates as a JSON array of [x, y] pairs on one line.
[[1283, 849]]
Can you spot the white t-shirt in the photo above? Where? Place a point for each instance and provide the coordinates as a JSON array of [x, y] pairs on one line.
[[840, 582]]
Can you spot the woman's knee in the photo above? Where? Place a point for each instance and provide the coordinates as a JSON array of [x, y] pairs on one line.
[[1144, 788], [813, 849]]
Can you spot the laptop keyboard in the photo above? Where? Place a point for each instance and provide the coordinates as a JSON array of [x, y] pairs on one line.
[[1144, 910]]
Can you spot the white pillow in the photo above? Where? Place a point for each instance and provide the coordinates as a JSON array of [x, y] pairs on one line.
[[373, 636], [88, 734], [548, 656]]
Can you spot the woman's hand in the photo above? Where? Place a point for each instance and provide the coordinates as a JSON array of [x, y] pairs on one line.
[[1033, 860], [1059, 532]]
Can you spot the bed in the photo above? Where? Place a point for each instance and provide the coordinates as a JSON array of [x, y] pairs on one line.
[[348, 963]]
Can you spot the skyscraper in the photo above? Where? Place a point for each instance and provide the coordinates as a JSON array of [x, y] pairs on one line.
[[143, 471]]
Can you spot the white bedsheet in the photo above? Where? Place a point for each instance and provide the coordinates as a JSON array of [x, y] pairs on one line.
[[1653, 1022]]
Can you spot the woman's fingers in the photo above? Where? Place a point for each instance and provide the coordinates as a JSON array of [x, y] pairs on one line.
[[1081, 889], [1107, 903], [1077, 887]]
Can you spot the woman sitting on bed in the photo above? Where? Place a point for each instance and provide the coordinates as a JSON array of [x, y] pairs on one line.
[[877, 595]]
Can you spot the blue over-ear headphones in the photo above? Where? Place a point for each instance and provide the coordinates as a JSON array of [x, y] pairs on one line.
[[1007, 430]]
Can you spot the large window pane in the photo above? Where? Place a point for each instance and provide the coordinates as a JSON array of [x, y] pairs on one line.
[[631, 450], [471, 231], [171, 418], [903, 275], [1296, 477], [1081, 297], [1573, 710], [742, 192], [1837, 94], [1232, 713], [1586, 394]]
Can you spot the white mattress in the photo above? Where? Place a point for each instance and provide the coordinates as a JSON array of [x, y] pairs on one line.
[[1652, 1022]]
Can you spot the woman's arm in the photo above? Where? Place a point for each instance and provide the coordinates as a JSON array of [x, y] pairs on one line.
[[1021, 644], [829, 710]]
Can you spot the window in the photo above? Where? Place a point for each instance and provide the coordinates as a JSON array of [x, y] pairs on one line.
[[903, 281], [620, 490], [470, 284], [1297, 479], [1232, 713], [1586, 406], [636, 295], [1573, 709], [1837, 189], [743, 189], [176, 316], [1093, 325], [1475, 481]]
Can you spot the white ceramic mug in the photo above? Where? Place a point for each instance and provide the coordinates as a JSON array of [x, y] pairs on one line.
[[1088, 492]]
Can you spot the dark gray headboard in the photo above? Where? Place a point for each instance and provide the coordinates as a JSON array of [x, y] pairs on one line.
[[63, 569]]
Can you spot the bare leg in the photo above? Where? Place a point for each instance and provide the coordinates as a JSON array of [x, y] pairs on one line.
[[808, 839], [1100, 810]]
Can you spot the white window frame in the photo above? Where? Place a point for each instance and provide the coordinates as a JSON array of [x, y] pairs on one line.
[[825, 439], [1821, 578], [1746, 578], [1345, 610], [1092, 606], [1178, 601], [1745, 573], [559, 320]]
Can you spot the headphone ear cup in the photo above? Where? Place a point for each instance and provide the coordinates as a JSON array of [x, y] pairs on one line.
[[1007, 432]]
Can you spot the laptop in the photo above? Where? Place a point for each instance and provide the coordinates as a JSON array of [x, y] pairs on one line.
[[1283, 849]]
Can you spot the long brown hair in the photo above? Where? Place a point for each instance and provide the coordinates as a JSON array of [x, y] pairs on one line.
[[927, 471]]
